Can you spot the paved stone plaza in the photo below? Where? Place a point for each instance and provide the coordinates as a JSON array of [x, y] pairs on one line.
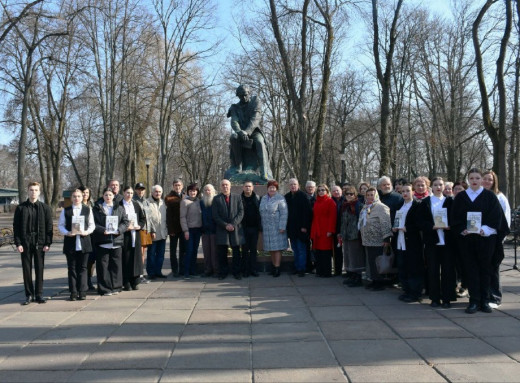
[[258, 329]]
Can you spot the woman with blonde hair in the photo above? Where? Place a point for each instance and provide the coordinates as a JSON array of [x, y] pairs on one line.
[[490, 182]]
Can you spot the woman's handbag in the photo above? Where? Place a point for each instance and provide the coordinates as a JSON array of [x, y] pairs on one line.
[[146, 238], [385, 262]]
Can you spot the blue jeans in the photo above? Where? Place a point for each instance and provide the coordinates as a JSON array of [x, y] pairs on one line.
[[192, 247], [155, 257], [300, 253]]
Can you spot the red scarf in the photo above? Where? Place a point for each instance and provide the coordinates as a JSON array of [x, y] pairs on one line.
[[350, 206], [420, 195]]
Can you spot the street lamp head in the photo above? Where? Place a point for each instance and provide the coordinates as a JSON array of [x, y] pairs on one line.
[[147, 162]]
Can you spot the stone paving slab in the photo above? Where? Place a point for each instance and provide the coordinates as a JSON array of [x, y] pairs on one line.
[[509, 345], [206, 376], [298, 314], [219, 316], [285, 332], [48, 357], [217, 332], [292, 354], [428, 328], [146, 332], [393, 374], [77, 334], [368, 352], [365, 329], [461, 350], [482, 372], [311, 375], [211, 356], [116, 376], [24, 376], [121, 356], [482, 326], [334, 313]]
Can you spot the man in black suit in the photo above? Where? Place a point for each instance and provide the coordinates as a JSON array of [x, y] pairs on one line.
[[32, 227], [228, 212]]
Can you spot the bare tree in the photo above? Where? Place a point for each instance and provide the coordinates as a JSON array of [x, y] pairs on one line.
[[497, 133]]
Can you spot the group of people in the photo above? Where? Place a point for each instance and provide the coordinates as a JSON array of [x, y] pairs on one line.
[[439, 232]]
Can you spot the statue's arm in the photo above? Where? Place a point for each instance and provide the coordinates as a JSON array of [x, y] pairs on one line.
[[235, 125], [256, 116]]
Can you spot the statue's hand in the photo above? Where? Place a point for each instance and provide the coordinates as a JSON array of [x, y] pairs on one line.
[[242, 135]]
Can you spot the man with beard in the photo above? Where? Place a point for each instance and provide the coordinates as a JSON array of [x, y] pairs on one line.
[[173, 219]]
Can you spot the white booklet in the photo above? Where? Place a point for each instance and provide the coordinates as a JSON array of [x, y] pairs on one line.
[[398, 220], [132, 220], [440, 217], [78, 224], [112, 224], [474, 222]]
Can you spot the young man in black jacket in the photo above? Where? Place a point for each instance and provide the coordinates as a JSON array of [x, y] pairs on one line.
[[252, 225], [32, 227]]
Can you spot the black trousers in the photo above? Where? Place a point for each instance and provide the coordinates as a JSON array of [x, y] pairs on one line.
[[442, 279], [411, 272], [33, 254], [128, 269], [249, 250], [495, 289], [478, 254], [338, 257], [223, 268], [77, 271], [177, 265], [323, 262], [109, 269]]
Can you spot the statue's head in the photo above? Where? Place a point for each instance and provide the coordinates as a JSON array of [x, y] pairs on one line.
[[243, 93]]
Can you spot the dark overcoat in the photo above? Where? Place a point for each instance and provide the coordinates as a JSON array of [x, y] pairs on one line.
[[127, 241], [223, 215]]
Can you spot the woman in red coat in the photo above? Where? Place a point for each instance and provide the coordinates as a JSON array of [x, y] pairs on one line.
[[322, 231]]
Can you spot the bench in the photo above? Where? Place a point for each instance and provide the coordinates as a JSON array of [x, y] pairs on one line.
[[6, 237]]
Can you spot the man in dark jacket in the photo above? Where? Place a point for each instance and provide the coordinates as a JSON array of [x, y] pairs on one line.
[[228, 211], [252, 225], [32, 227], [173, 222], [298, 224]]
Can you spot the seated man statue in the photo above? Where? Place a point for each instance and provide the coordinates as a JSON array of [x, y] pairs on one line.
[[248, 149]]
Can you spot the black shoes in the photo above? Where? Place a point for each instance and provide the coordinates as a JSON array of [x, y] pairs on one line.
[[237, 276], [471, 309], [276, 272], [254, 274], [435, 304], [28, 300], [40, 300], [162, 276], [73, 297], [222, 277], [82, 297], [446, 305], [486, 308]]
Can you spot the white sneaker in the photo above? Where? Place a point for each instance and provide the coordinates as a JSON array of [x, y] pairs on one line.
[[494, 305]]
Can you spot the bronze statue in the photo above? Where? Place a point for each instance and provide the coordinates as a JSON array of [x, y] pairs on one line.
[[249, 156]]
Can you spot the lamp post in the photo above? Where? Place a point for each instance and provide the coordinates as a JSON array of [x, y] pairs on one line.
[[147, 162], [310, 174]]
